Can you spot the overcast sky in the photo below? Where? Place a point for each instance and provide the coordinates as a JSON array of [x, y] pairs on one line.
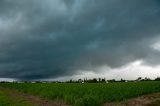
[[58, 39]]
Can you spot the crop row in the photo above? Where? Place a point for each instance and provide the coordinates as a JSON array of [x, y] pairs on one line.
[[87, 94]]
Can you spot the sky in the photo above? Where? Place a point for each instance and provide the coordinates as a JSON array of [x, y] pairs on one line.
[[69, 39]]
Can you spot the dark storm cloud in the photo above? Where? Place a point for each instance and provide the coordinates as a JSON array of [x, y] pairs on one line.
[[52, 38]]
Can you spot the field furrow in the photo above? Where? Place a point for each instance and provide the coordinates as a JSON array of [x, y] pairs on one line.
[[77, 94]]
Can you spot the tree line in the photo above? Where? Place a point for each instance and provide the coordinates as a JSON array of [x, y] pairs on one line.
[[94, 80]]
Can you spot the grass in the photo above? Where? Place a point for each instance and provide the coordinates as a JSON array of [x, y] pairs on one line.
[[88, 94], [7, 100], [3, 99]]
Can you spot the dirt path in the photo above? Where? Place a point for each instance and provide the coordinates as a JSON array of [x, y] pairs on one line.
[[145, 100], [37, 101]]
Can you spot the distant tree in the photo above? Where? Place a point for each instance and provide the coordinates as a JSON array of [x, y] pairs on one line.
[[122, 80], [85, 80], [3, 82], [70, 81], [94, 80], [157, 79], [147, 79], [79, 80], [139, 79], [35, 81], [113, 80], [99, 79], [103, 80]]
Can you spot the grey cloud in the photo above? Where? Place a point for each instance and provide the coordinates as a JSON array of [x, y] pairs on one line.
[[49, 39]]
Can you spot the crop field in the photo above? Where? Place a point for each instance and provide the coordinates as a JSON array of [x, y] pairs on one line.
[[7, 100], [86, 94]]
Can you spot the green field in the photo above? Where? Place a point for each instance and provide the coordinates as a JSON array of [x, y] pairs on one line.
[[87, 94], [7, 100]]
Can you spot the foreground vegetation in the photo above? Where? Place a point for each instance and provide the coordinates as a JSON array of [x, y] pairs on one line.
[[7, 99], [87, 94]]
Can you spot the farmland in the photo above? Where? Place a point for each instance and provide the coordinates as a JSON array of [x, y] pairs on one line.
[[8, 99], [86, 94]]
